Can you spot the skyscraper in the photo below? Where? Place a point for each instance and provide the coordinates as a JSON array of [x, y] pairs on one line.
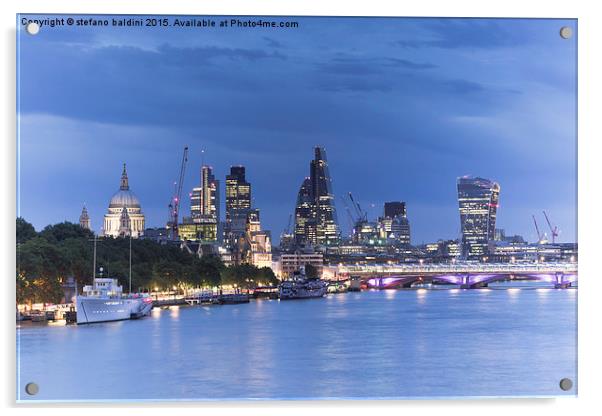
[[478, 201], [238, 205], [204, 200], [315, 213], [395, 226], [203, 224], [238, 191], [305, 221], [327, 226], [395, 208]]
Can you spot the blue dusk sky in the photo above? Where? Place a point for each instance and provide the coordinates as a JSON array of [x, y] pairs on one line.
[[403, 107]]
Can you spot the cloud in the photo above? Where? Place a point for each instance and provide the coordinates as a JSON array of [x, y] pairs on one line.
[[272, 43], [467, 34]]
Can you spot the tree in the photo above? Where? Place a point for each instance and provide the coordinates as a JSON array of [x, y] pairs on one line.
[[25, 231], [266, 276], [41, 267], [65, 230]]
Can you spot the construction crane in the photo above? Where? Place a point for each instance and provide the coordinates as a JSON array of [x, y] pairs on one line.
[[349, 214], [287, 230], [540, 236], [553, 229], [174, 205], [362, 216]]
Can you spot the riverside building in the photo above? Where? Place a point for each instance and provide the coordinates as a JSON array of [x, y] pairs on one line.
[[478, 201]]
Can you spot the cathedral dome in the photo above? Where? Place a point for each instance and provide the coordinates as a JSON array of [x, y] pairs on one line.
[[124, 198], [124, 217]]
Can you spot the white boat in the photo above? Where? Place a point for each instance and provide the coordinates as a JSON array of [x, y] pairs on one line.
[[300, 287], [104, 301]]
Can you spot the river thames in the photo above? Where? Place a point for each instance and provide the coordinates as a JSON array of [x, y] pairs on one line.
[[500, 341]]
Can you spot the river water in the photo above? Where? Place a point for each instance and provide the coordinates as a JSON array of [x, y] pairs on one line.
[[500, 341]]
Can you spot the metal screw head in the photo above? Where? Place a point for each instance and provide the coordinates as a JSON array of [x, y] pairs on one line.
[[566, 384], [566, 32], [32, 389], [32, 28]]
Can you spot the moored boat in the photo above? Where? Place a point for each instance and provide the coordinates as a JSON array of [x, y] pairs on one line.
[[301, 287]]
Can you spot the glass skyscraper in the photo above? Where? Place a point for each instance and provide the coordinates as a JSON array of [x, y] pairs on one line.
[[305, 222], [478, 201], [315, 213], [203, 223], [238, 205], [238, 192]]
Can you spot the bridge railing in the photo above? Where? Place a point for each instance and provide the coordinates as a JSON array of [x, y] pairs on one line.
[[508, 268]]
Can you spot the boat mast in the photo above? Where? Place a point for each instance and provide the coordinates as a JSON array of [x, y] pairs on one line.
[[130, 263], [94, 264]]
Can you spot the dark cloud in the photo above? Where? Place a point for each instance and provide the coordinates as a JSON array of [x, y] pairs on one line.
[[368, 66], [468, 33], [273, 43]]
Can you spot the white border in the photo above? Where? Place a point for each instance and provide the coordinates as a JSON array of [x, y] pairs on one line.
[[590, 71]]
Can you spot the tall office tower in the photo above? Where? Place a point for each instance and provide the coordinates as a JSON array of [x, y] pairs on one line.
[[315, 213], [210, 193], [395, 226], [395, 208], [204, 200], [327, 227], [305, 218], [238, 191], [238, 205], [478, 201]]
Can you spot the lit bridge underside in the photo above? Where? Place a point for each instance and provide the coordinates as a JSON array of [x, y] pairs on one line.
[[468, 276]]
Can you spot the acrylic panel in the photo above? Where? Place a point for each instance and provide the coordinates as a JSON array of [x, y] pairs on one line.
[[280, 208]]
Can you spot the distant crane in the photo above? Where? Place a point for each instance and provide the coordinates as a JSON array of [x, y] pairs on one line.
[[362, 216], [287, 230], [553, 229], [349, 214], [540, 236], [174, 205]]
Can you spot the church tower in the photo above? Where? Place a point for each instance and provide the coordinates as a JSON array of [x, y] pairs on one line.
[[84, 219], [125, 185], [125, 227]]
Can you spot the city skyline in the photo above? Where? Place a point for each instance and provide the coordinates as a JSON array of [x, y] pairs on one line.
[[401, 118]]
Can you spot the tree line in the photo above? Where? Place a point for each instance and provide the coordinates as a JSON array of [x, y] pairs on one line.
[[47, 258]]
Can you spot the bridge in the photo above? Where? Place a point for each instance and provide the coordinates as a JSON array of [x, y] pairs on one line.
[[466, 275]]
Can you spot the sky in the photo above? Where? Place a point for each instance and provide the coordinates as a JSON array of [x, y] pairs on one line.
[[403, 106]]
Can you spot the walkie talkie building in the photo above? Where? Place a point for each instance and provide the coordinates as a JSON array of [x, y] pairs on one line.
[[478, 200]]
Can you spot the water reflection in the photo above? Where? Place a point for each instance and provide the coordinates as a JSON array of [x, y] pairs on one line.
[[367, 344]]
